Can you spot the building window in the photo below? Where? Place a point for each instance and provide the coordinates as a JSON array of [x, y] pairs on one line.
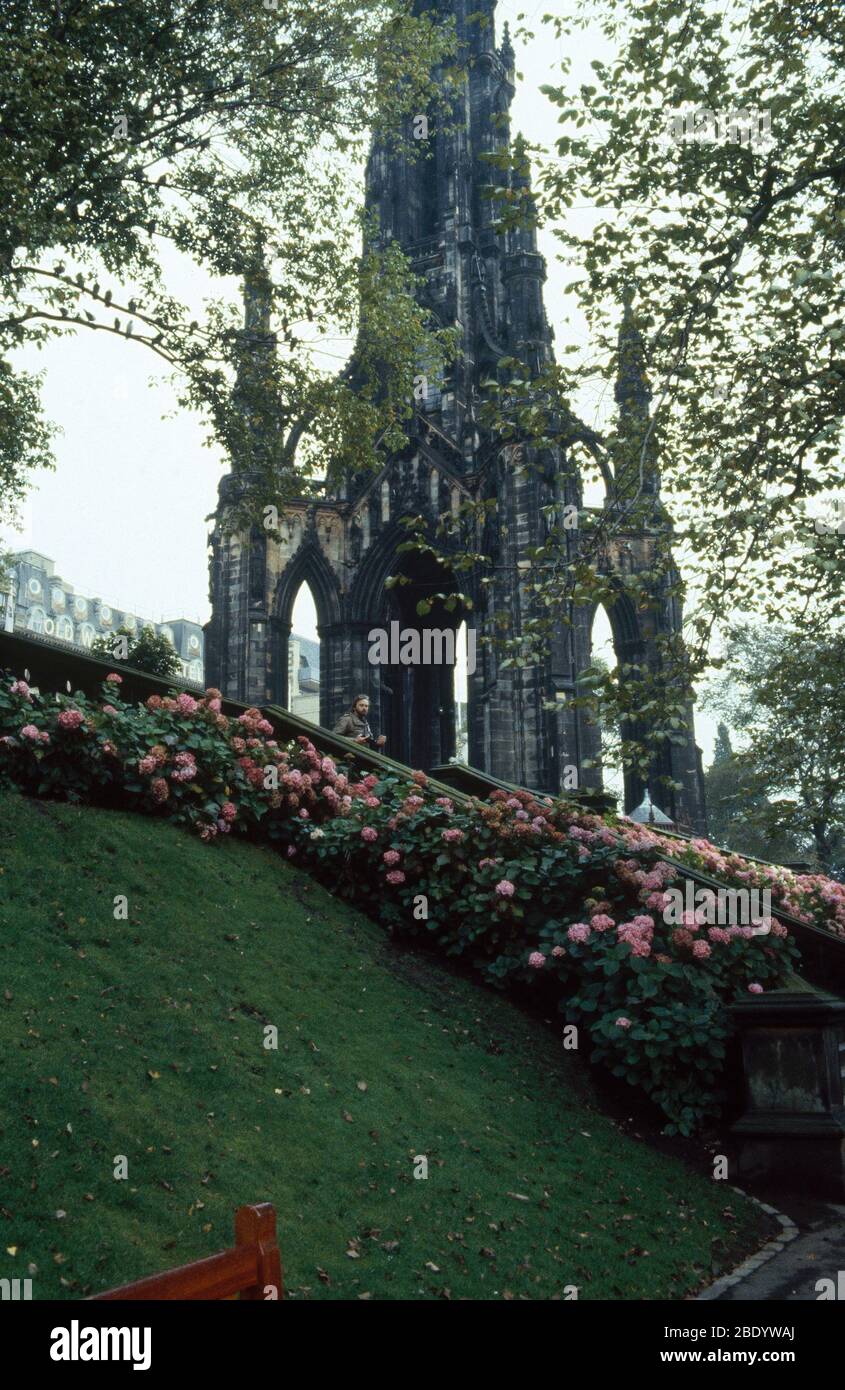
[[36, 619], [86, 634], [129, 622], [58, 598], [64, 629], [80, 607], [34, 587], [105, 613], [49, 626], [195, 671], [194, 643]]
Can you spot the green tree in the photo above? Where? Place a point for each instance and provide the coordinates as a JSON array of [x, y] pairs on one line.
[[231, 132], [785, 695], [731, 226], [147, 650], [739, 812]]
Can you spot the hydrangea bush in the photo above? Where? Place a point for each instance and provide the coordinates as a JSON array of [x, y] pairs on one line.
[[531, 892]]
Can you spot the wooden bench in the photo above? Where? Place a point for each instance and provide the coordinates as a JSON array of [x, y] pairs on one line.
[[252, 1270]]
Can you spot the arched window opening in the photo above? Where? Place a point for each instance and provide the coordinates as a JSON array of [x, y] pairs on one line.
[[304, 657], [461, 696], [604, 657]]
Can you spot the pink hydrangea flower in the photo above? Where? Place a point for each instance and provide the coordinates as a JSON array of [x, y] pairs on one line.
[[559, 951], [186, 704], [391, 857], [114, 679], [755, 988], [396, 876], [601, 922], [579, 931], [369, 834], [505, 888], [70, 719], [228, 810], [452, 836], [623, 1022], [701, 950], [30, 731], [537, 960], [21, 688]]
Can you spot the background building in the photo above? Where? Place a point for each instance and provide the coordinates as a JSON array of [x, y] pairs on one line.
[[38, 600], [33, 598]]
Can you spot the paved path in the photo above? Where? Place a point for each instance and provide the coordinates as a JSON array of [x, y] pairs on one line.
[[791, 1274]]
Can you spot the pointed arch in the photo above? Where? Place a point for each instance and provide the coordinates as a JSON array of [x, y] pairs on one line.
[[367, 596], [308, 566]]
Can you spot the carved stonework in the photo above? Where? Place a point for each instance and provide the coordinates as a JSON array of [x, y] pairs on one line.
[[488, 285]]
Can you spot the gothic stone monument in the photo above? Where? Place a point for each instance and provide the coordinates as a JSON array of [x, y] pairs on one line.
[[489, 284]]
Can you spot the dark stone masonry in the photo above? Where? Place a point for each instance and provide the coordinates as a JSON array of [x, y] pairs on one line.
[[489, 284]]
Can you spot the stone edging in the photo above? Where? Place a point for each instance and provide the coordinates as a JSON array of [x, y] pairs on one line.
[[753, 1263]]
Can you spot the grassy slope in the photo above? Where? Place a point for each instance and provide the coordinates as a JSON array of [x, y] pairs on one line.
[[145, 1038]]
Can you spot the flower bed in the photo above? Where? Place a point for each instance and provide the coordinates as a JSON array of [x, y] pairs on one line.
[[528, 891]]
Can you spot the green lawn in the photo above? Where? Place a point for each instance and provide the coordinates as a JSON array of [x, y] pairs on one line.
[[145, 1038]]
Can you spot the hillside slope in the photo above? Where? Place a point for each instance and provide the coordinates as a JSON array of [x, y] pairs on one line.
[[145, 1038]]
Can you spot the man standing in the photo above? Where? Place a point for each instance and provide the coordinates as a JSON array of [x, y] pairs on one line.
[[355, 725]]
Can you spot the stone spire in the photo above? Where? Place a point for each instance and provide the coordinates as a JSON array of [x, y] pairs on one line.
[[524, 269], [632, 385], [633, 397]]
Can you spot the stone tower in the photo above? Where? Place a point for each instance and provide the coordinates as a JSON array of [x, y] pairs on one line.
[[441, 206]]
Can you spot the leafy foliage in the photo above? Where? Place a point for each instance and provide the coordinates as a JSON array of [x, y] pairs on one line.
[[231, 133], [717, 239], [784, 695], [530, 892], [147, 650]]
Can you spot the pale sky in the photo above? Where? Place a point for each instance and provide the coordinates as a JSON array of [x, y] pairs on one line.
[[123, 516]]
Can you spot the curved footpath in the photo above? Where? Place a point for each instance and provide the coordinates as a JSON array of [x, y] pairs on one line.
[[805, 1263]]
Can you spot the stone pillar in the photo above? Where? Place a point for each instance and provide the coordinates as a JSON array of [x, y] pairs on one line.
[[792, 1133]]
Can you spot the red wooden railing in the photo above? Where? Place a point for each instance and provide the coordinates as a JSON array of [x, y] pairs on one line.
[[252, 1270]]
